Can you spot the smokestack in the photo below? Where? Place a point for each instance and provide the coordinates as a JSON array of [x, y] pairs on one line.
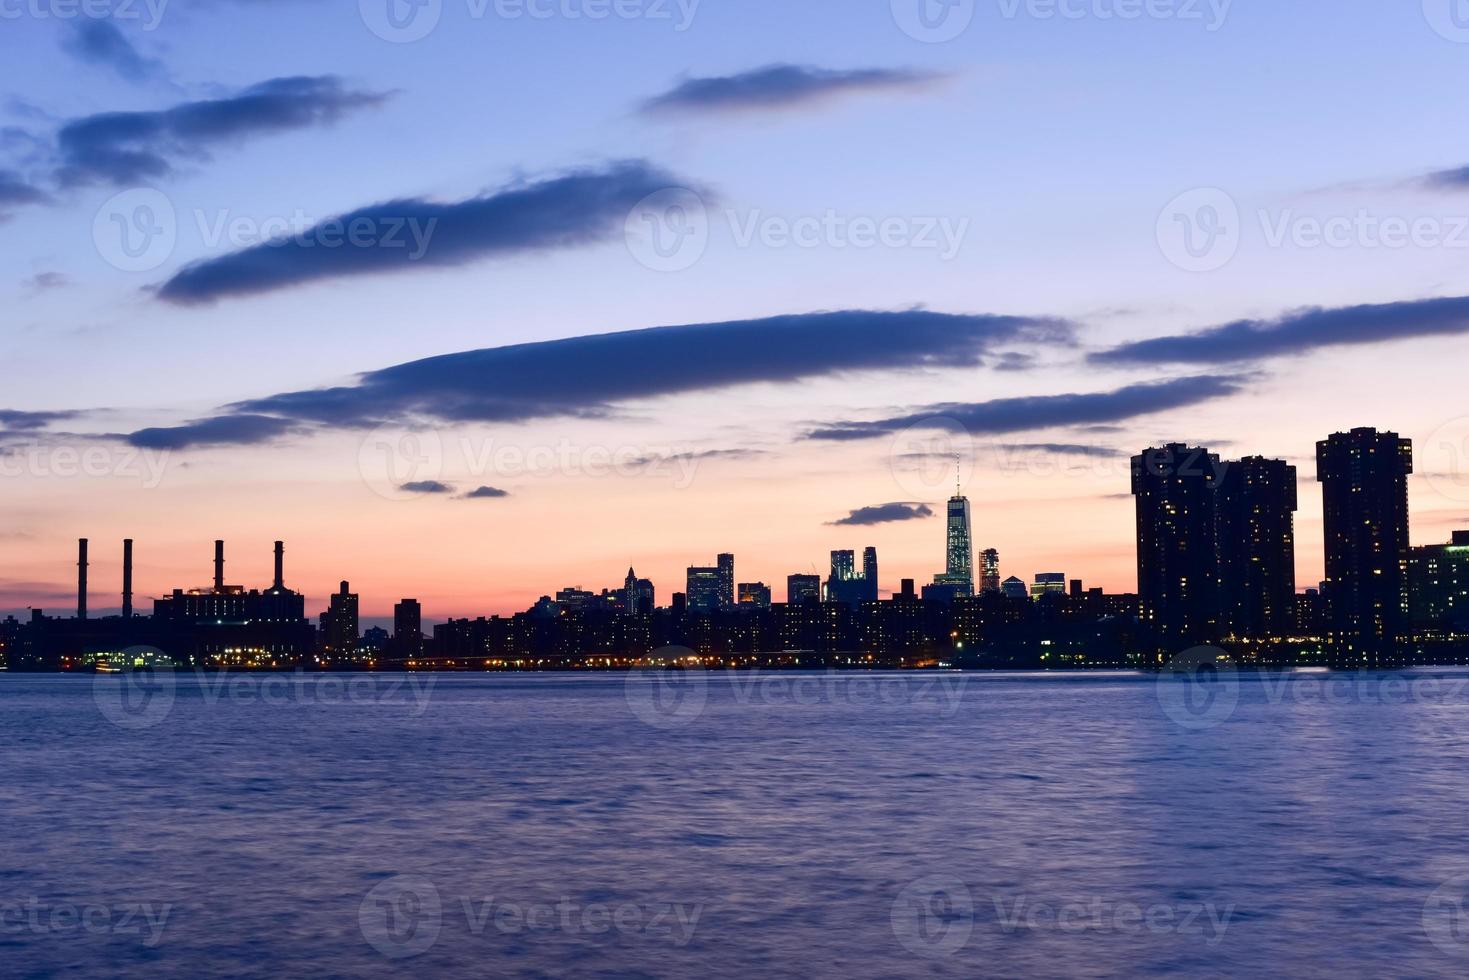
[[81, 578], [219, 566], [280, 566], [127, 578]]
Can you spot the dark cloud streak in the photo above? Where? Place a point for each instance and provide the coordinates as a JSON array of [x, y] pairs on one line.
[[780, 87], [1299, 332]]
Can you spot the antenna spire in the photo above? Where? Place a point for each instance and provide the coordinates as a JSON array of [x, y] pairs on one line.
[[958, 475]]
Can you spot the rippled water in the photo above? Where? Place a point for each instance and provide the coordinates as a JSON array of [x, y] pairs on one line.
[[867, 826]]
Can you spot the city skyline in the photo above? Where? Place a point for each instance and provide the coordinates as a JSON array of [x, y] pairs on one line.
[[769, 379], [1185, 496]]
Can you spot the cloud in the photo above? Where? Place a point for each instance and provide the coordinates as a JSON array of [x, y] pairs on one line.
[[126, 148], [43, 281], [14, 420], [588, 377], [225, 430], [426, 487], [1015, 361], [15, 190], [780, 86], [1065, 449], [1045, 411], [1448, 180], [99, 42], [654, 459], [1299, 332], [884, 514], [579, 208], [486, 493]]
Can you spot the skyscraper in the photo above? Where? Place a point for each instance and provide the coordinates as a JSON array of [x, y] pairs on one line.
[[843, 566], [408, 627], [958, 547], [1257, 547], [989, 570], [1364, 486], [1177, 553], [803, 588], [726, 581], [705, 589], [869, 573], [1048, 583]]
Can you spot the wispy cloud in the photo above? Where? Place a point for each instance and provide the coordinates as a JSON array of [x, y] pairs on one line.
[[125, 148], [427, 487], [99, 42], [591, 376], [15, 420], [1448, 180], [1299, 332], [224, 430], [16, 191], [1004, 415], [884, 514], [579, 208], [781, 86]]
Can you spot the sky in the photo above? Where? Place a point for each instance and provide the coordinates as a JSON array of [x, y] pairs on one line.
[[474, 300]]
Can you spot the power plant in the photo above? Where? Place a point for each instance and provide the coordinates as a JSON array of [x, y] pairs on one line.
[[220, 626]]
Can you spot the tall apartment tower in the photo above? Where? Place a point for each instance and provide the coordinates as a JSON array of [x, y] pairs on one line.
[[1177, 557], [1257, 547], [1364, 485]]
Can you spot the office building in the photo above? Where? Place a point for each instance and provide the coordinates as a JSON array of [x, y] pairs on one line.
[[1364, 485], [1177, 554]]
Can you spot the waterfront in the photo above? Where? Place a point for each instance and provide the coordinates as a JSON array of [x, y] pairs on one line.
[[935, 824]]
